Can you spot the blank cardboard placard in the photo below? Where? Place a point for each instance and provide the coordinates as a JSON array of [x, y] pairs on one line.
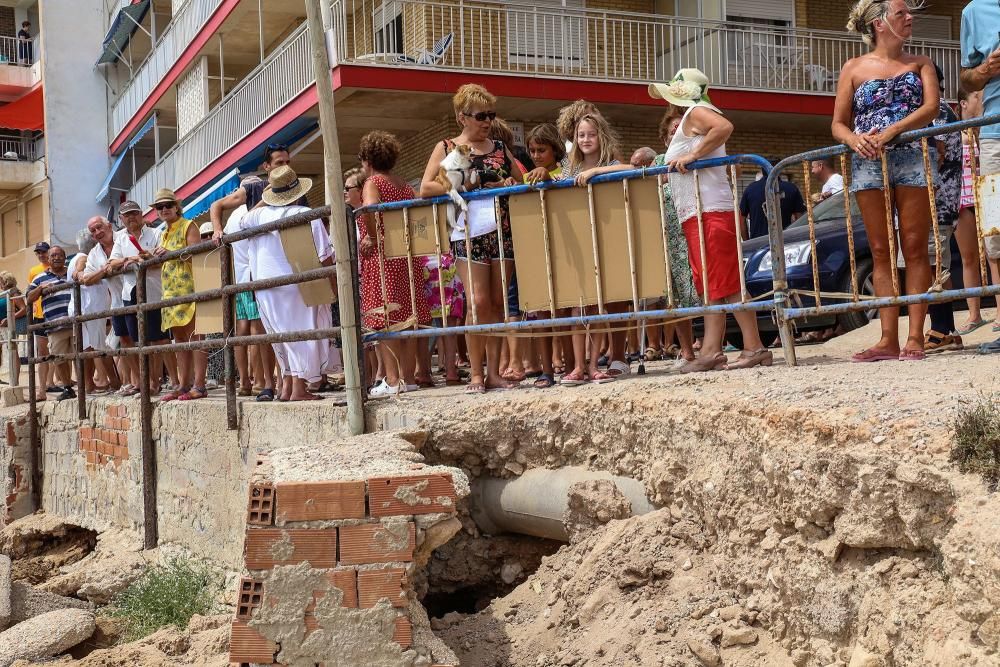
[[206, 269], [989, 199], [422, 239], [300, 250], [574, 276]]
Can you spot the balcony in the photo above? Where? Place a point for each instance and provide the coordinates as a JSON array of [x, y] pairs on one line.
[[19, 67], [20, 161], [521, 39], [279, 79], [185, 26]]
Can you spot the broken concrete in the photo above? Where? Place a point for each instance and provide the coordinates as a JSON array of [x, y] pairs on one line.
[[28, 602], [45, 636]]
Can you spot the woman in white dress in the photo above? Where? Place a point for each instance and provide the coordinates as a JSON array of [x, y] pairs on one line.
[[93, 299], [282, 309]]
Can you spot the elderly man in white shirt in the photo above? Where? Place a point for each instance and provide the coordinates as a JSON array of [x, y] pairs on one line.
[[132, 245], [95, 294]]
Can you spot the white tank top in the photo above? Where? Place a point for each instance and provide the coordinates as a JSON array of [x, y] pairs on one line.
[[716, 192]]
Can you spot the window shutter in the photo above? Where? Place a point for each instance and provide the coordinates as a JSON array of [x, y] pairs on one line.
[[547, 37], [776, 10]]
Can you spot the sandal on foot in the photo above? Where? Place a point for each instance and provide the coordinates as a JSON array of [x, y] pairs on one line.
[[172, 395], [761, 357], [871, 355], [573, 379], [454, 383], [475, 388], [617, 369], [704, 364], [544, 381], [244, 391], [969, 327], [602, 378], [652, 354], [513, 376], [194, 394], [935, 342], [912, 355], [265, 396]]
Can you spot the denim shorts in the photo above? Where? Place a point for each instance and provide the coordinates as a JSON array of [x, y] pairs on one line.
[[906, 168]]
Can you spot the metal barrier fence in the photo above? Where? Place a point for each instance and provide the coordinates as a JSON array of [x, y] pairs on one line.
[[143, 350], [634, 285], [825, 303]]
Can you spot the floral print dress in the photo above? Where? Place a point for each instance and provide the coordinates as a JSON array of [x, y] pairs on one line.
[[454, 290], [685, 294], [178, 276]]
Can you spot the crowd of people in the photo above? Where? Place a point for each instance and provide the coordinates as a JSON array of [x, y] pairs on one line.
[[880, 95]]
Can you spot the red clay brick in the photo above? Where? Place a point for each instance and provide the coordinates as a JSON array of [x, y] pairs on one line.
[[126, 423], [109, 422], [373, 585], [375, 543], [317, 547], [260, 505], [411, 494], [86, 432], [122, 439], [315, 501], [251, 594], [403, 632], [102, 447], [11, 434], [91, 458], [246, 645], [346, 579]]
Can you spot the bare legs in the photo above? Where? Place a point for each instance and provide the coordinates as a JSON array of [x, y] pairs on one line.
[[968, 247]]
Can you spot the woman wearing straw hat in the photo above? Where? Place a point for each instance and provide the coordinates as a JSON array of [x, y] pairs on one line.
[[283, 309], [701, 135], [178, 280]]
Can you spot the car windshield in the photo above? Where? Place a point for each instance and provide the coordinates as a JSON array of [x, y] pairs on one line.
[[831, 208]]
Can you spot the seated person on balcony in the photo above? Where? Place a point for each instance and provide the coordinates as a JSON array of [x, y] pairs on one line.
[[56, 306], [881, 95], [702, 135], [831, 182], [981, 72], [283, 309], [475, 110]]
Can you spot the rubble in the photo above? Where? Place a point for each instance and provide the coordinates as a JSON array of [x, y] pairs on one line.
[[45, 636]]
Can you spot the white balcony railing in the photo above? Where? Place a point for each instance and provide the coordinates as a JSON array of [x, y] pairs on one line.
[[518, 38], [279, 79], [183, 28], [22, 150]]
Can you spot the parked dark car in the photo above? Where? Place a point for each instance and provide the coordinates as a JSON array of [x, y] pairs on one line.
[[834, 266]]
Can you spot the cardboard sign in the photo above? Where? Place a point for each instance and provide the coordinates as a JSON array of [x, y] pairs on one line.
[[423, 240], [206, 269], [989, 198], [300, 250]]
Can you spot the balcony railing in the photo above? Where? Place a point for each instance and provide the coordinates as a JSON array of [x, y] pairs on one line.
[[517, 38], [21, 150], [184, 27], [279, 79]]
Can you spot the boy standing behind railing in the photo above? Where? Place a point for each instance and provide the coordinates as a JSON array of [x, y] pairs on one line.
[[981, 71]]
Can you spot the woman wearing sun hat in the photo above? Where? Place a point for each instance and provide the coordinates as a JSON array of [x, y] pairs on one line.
[[282, 309], [702, 134], [178, 280]]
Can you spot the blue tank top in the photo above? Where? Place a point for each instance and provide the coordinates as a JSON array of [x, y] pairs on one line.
[[878, 103]]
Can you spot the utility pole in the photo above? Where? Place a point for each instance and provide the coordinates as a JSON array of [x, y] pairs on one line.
[[338, 220]]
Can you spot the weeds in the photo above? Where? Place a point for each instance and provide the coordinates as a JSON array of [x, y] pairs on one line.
[[168, 594], [977, 440]]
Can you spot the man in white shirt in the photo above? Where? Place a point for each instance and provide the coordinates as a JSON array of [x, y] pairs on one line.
[[832, 182], [125, 254], [94, 273]]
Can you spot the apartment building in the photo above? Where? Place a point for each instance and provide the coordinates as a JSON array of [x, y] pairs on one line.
[[196, 89]]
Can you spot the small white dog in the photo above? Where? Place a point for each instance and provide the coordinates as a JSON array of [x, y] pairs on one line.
[[457, 175]]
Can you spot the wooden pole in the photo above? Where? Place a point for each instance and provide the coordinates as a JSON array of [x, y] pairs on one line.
[[338, 222]]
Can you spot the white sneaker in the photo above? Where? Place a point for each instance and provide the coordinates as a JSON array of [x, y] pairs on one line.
[[383, 390]]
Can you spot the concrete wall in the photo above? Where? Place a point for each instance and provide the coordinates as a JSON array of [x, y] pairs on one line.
[[93, 468], [75, 113]]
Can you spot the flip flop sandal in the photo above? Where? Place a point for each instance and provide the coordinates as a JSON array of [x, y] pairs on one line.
[[265, 396], [969, 327], [870, 355], [513, 376], [993, 347], [193, 395], [544, 381], [426, 384], [601, 378], [996, 327], [573, 380], [617, 368], [912, 355], [475, 388], [534, 374], [170, 395]]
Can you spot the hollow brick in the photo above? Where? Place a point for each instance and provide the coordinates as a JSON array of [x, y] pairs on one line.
[[266, 547], [247, 646], [373, 585], [317, 501], [376, 543], [411, 494]]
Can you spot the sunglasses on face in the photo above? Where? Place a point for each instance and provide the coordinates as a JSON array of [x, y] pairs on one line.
[[163, 207], [481, 116], [351, 187]]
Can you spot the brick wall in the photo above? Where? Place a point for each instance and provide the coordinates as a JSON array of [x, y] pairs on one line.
[[832, 14], [8, 26]]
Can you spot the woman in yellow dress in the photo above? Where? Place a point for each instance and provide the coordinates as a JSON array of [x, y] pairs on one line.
[[178, 280]]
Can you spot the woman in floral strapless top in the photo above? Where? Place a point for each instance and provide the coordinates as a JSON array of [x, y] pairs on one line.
[[881, 95]]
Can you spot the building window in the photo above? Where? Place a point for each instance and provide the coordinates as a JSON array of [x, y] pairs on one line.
[[388, 22], [931, 26], [545, 36], [764, 28]]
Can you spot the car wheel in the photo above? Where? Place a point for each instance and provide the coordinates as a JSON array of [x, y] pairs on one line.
[[866, 286]]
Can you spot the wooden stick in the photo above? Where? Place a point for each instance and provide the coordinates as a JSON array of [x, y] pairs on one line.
[[701, 240], [739, 236], [938, 269], [850, 229], [548, 253], [445, 310], [807, 174], [597, 254], [503, 268], [666, 245], [411, 268], [889, 223], [977, 181]]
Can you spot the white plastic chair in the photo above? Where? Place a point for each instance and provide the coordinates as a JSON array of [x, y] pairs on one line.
[[435, 55], [820, 78]]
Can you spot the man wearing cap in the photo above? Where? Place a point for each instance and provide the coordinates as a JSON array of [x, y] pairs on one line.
[[283, 309], [134, 243], [54, 307], [41, 339]]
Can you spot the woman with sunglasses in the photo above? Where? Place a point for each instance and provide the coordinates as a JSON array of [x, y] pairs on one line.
[[178, 280], [475, 110]]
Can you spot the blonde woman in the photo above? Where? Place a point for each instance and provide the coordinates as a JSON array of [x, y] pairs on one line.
[[475, 111], [880, 95]]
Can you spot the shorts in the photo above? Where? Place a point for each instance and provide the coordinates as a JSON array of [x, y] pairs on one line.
[[119, 326], [721, 251], [486, 248], [944, 234], [906, 168], [989, 156], [154, 333], [246, 306], [61, 342]]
